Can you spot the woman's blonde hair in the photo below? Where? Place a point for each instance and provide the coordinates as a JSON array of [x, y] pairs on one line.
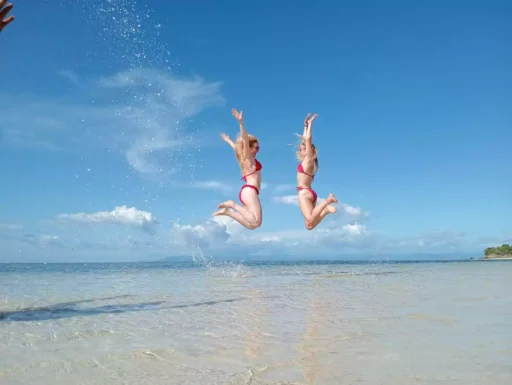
[[301, 142], [239, 148]]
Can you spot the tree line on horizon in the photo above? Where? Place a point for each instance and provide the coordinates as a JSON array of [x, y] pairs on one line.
[[504, 249]]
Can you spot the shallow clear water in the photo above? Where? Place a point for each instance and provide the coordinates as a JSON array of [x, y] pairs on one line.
[[426, 323]]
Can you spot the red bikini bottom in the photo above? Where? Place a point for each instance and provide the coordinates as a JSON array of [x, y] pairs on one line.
[[315, 197], [244, 186]]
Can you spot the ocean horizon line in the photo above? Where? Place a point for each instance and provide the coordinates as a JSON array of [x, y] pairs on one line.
[[257, 262]]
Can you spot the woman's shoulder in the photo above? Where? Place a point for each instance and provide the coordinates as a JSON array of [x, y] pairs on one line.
[[308, 160], [247, 163]]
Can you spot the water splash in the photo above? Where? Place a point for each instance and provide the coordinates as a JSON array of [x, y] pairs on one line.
[[130, 32], [153, 106], [234, 269]]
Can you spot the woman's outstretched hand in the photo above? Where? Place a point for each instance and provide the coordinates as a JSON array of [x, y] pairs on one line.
[[309, 120], [308, 123], [237, 115], [3, 13], [225, 137]]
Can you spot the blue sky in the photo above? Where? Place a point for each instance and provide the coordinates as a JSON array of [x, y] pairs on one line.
[[112, 112]]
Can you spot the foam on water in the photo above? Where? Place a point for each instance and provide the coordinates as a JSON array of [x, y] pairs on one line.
[[400, 324]]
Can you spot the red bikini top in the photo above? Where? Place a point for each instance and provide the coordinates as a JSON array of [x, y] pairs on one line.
[[258, 168], [300, 170]]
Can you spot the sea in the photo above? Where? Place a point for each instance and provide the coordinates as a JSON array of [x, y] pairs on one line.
[[309, 322]]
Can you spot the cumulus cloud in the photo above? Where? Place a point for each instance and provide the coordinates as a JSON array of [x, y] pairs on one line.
[[223, 233], [204, 235], [353, 235], [355, 229], [322, 238], [121, 215]]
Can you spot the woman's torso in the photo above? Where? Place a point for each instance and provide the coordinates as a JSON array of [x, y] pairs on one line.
[[305, 173], [251, 172]]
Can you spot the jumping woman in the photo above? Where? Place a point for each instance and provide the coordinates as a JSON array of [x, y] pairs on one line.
[[306, 171], [246, 148]]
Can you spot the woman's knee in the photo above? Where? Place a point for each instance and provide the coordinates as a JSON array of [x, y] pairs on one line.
[[309, 224], [257, 222], [254, 225], [256, 218]]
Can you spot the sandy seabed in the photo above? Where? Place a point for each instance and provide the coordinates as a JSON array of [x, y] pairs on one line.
[[446, 323]]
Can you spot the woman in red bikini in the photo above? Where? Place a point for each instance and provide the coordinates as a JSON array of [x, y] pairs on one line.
[[246, 148], [306, 171]]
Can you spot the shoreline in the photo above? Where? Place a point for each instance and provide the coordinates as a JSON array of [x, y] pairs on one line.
[[496, 257]]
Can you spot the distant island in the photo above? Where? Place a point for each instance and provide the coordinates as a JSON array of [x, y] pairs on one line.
[[500, 252]]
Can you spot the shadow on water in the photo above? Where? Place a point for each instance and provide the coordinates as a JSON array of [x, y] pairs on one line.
[[73, 309]]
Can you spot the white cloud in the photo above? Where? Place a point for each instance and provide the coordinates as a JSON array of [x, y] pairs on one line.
[[355, 211], [321, 238], [142, 113], [219, 237], [160, 106], [223, 233], [355, 235], [209, 234], [281, 188], [355, 229], [121, 215], [183, 97]]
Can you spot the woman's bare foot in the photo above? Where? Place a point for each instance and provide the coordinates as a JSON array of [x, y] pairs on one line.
[[221, 212], [331, 199], [328, 210], [226, 205]]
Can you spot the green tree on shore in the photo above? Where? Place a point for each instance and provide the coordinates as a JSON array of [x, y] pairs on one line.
[[504, 249]]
